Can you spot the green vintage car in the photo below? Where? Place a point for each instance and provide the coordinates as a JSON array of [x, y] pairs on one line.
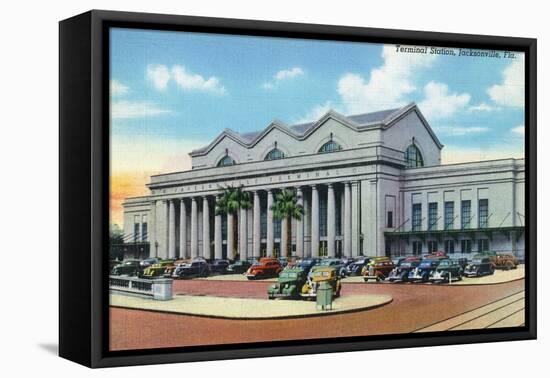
[[289, 283], [446, 271], [158, 269], [127, 268]]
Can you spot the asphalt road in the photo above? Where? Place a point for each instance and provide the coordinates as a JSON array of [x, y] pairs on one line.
[[413, 307]]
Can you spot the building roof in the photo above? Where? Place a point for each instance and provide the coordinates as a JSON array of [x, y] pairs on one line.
[[300, 131]]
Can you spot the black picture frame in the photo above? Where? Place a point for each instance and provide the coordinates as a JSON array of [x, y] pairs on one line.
[[84, 189]]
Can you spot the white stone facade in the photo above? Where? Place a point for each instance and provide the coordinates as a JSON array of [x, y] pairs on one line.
[[360, 199]]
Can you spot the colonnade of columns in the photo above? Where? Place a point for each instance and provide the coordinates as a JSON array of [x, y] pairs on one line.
[[164, 243]]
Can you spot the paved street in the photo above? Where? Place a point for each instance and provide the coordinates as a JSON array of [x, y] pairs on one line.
[[414, 307]]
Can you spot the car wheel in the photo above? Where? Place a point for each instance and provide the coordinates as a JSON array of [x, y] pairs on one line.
[[425, 278], [404, 277]]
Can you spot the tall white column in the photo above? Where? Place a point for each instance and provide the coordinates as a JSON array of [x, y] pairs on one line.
[[347, 219], [257, 226], [183, 229], [355, 218], [171, 229], [242, 234], [153, 230], [307, 226], [331, 221], [270, 238], [314, 221], [205, 228], [300, 226], [218, 235], [230, 236], [194, 229], [164, 231]]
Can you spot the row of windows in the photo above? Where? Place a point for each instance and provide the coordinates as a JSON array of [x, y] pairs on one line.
[[276, 153], [140, 235], [450, 246], [449, 216]]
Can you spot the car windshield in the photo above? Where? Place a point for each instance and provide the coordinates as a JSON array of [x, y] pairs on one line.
[[427, 263], [288, 275], [323, 273], [445, 263], [128, 263], [477, 261]]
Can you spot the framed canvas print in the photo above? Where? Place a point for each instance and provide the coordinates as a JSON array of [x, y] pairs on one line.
[[234, 188]]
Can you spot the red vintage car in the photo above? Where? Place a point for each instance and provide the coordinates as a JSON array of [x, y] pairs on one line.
[[265, 268]]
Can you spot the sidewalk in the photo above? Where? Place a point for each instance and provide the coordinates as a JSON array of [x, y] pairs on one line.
[[248, 308]]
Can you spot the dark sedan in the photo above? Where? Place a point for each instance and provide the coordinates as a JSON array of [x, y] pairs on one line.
[[198, 268], [219, 266], [239, 266], [307, 264], [480, 266]]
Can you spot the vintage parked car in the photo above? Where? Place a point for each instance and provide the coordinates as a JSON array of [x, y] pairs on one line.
[[356, 267], [239, 266], [321, 274], [171, 268], [158, 269], [127, 268], [265, 268], [481, 265], [290, 282], [307, 264], [448, 269], [506, 261], [423, 271], [335, 263], [195, 268], [149, 261], [378, 270], [372, 261], [401, 271], [219, 266]]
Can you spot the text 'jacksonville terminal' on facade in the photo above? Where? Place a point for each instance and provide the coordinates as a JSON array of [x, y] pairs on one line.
[[370, 184]]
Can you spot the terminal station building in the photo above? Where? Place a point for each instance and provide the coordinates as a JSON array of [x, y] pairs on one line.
[[370, 184]]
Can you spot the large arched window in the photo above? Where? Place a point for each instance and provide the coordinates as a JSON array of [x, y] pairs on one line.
[[413, 157], [226, 161], [330, 146], [274, 154]]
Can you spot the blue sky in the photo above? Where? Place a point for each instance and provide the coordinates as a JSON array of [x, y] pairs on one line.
[[175, 91]]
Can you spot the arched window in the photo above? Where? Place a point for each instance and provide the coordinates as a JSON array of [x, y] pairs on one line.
[[413, 157], [226, 161], [274, 154], [330, 146]]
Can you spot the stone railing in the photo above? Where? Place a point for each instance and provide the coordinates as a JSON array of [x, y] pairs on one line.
[[159, 289]]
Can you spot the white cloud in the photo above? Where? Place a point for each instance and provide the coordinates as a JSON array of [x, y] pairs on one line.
[[159, 75], [440, 103], [289, 74], [511, 92], [387, 85], [128, 109], [461, 131], [281, 75], [483, 107], [316, 112], [190, 81], [519, 130], [118, 89]]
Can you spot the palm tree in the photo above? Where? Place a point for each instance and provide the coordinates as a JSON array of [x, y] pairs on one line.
[[285, 208], [231, 201]]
